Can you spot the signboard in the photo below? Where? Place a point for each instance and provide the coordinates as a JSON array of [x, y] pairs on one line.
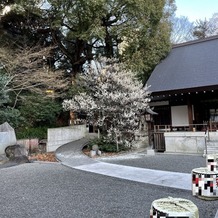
[[179, 115]]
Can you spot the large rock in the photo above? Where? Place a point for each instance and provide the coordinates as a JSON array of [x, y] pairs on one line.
[[7, 137], [17, 153], [3, 159]]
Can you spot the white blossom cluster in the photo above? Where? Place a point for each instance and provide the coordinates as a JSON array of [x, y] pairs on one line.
[[113, 100]]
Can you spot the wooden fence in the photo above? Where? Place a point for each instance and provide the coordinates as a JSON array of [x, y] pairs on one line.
[[159, 141]]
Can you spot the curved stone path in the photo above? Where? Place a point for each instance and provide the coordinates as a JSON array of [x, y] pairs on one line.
[[71, 155]]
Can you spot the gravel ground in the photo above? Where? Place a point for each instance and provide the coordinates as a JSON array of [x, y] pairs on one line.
[[160, 161], [51, 190]]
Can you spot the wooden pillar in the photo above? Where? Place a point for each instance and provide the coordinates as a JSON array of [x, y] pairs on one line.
[[72, 118], [190, 114]]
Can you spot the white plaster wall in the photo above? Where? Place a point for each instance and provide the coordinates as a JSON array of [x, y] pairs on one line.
[[179, 115], [185, 142], [60, 136]]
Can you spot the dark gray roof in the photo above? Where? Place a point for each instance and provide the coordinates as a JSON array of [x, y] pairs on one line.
[[188, 65]]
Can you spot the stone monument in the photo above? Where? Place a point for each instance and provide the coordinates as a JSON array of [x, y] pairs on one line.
[[7, 137]]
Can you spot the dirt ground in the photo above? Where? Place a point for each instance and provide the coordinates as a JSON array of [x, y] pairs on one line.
[[49, 156]]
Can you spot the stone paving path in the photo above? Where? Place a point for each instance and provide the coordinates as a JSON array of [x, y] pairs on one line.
[[71, 155]]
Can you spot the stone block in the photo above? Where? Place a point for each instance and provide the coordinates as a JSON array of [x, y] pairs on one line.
[[98, 152], [150, 152], [185, 142], [7, 137], [93, 153], [95, 148]]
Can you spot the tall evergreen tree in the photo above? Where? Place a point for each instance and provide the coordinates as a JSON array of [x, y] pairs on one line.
[[82, 30], [7, 113]]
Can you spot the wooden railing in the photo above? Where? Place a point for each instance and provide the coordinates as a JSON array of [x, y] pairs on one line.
[[211, 126]]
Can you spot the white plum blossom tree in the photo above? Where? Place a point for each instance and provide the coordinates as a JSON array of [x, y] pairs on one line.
[[113, 99]]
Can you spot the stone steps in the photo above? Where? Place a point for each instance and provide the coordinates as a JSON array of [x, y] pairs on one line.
[[212, 151], [212, 146]]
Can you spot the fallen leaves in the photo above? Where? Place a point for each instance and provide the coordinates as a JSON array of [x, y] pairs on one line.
[[49, 156]]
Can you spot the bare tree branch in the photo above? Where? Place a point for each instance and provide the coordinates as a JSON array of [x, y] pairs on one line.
[[28, 69]]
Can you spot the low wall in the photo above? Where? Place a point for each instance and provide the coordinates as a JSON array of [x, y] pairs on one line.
[[60, 136], [29, 144], [185, 142]]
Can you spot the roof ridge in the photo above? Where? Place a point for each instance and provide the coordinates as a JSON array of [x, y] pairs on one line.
[[195, 41]]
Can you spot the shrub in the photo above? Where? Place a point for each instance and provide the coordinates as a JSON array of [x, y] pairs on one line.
[[106, 145], [39, 111], [12, 116], [37, 132]]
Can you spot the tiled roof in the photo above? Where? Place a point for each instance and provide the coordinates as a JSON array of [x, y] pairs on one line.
[[189, 65]]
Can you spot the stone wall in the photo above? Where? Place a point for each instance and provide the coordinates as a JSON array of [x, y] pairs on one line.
[[60, 136], [213, 136], [185, 142], [30, 144]]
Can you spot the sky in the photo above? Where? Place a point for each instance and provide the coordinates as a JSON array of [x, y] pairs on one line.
[[196, 9]]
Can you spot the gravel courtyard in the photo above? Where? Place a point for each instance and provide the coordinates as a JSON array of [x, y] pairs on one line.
[[44, 190]]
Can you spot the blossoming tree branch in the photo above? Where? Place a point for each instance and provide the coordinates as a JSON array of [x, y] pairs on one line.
[[112, 99]]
